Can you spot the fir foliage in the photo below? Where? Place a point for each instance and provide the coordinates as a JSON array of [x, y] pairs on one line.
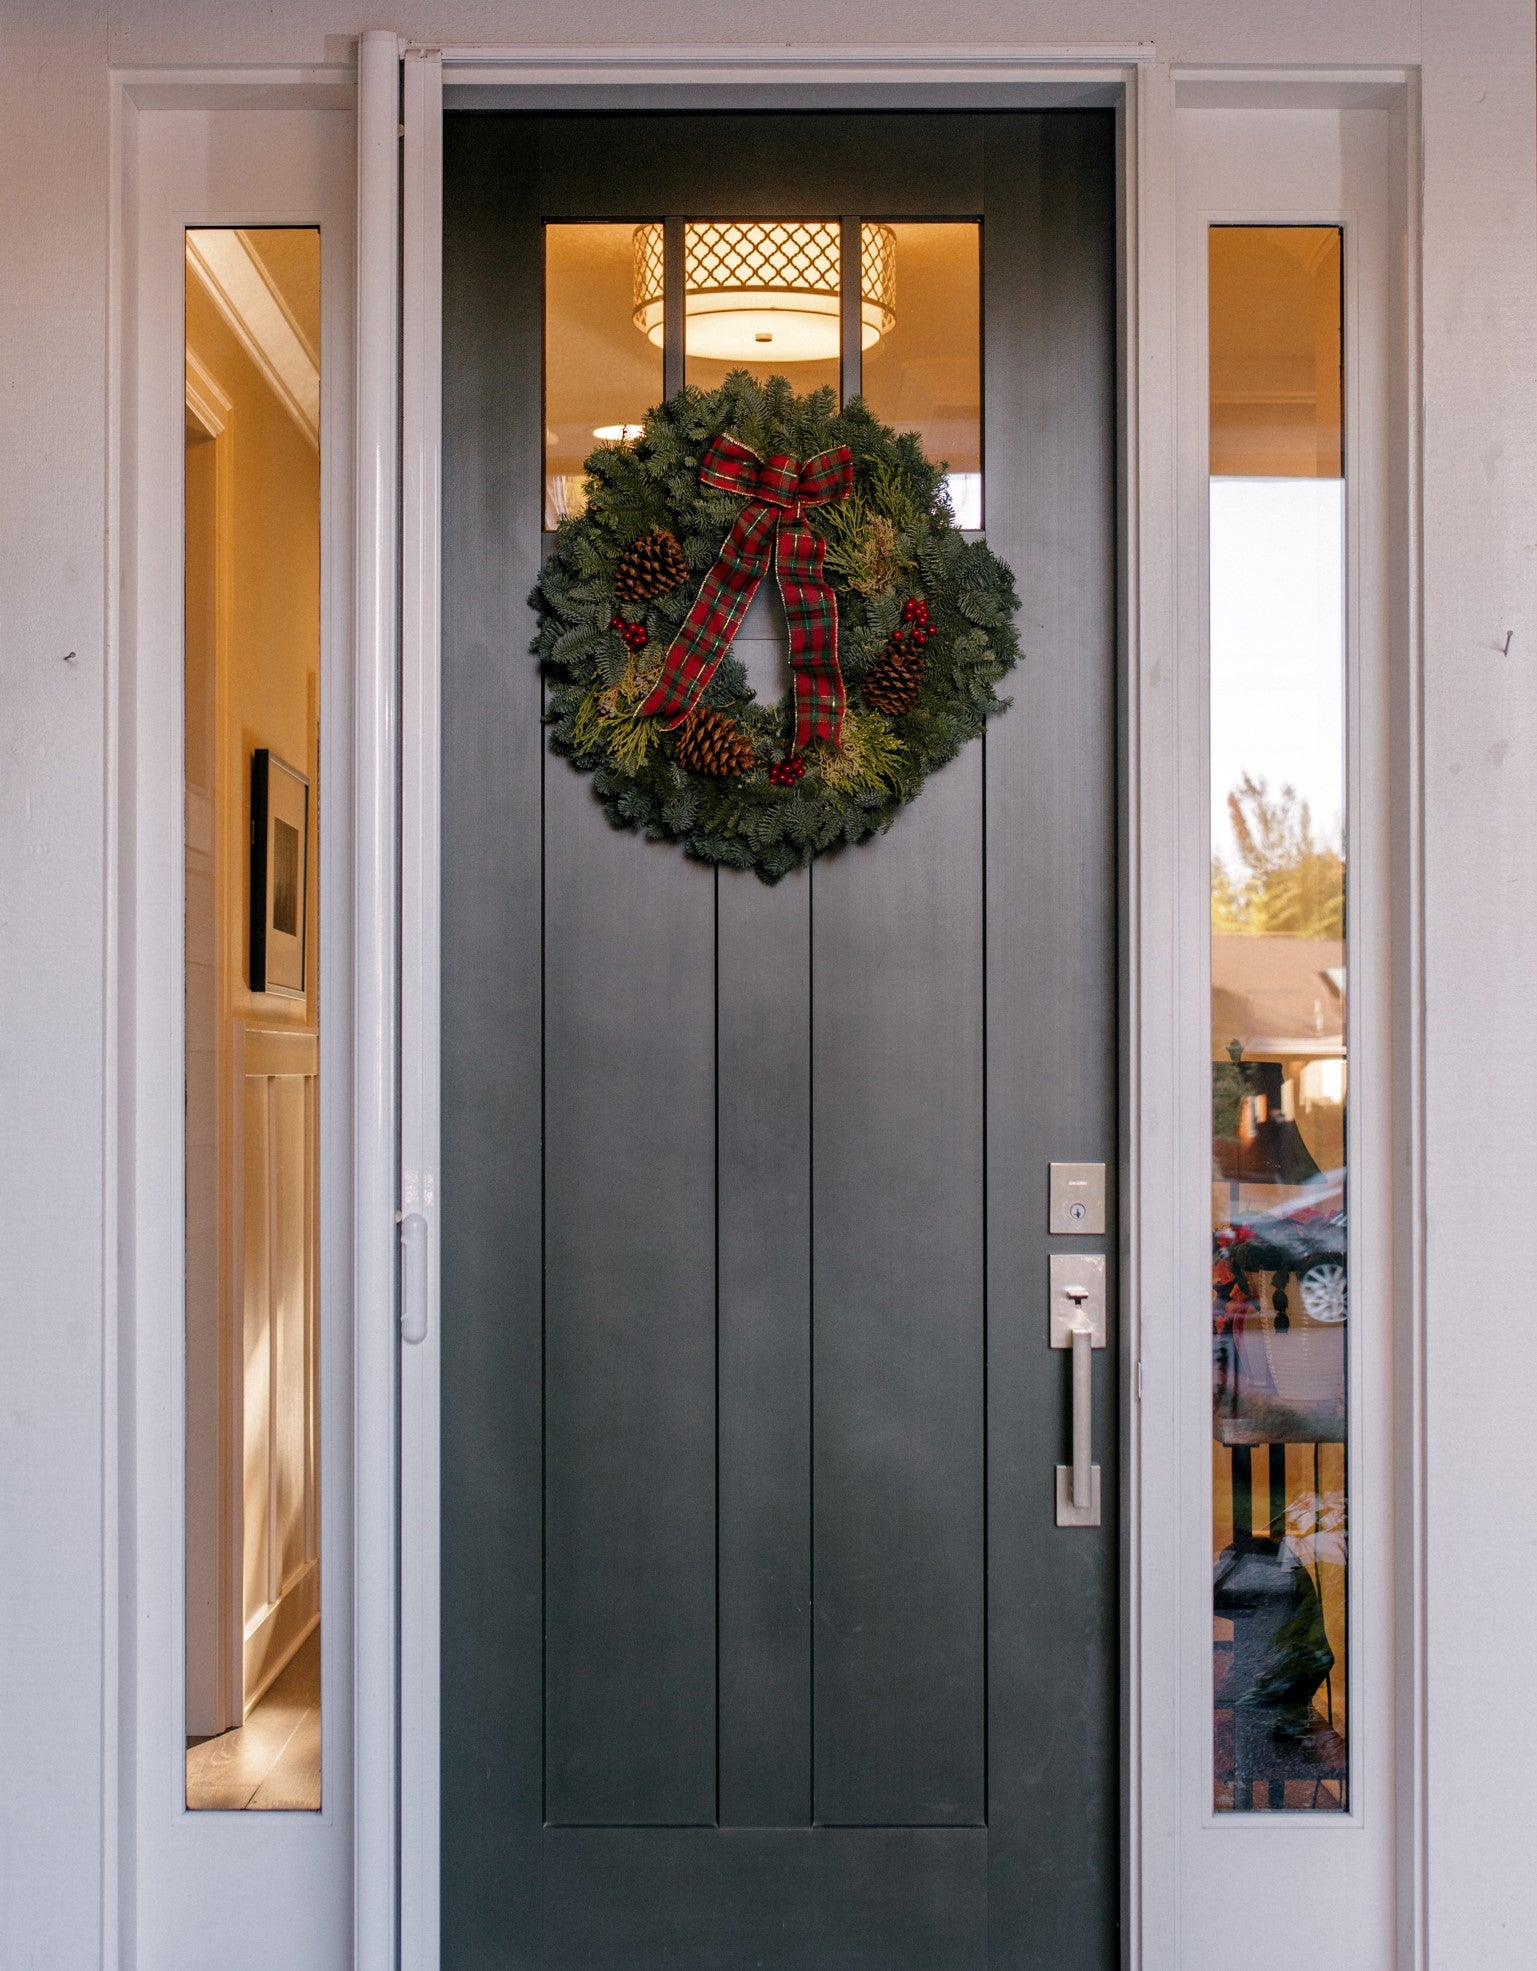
[[894, 537]]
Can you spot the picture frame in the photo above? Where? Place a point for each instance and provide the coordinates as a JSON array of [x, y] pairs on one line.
[[280, 823]]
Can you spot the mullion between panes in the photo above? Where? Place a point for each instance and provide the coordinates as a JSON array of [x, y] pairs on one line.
[[851, 325], [673, 300]]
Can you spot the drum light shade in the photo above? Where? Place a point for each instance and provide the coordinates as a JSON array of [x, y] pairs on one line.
[[765, 291]]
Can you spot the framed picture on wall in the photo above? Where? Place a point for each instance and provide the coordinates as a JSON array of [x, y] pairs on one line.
[[280, 824]]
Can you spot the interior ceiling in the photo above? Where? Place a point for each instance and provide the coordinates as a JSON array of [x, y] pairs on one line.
[[289, 258], [266, 284]]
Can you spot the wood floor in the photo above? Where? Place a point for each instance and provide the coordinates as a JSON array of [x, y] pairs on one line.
[[273, 1760]]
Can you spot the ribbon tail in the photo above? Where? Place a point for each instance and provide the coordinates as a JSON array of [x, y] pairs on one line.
[[696, 651], [811, 610]]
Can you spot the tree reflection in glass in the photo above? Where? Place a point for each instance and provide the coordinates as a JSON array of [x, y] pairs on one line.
[[1279, 1253]]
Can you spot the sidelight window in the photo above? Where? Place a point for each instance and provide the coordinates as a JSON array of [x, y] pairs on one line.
[[250, 979], [1280, 1299]]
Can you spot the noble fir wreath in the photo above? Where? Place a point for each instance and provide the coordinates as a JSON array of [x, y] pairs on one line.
[[900, 628]]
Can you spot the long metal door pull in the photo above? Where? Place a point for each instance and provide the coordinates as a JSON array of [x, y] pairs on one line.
[[1078, 1322]]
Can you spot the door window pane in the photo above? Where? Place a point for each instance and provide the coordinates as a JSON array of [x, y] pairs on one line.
[[924, 372], [1279, 1065], [759, 295], [602, 370]]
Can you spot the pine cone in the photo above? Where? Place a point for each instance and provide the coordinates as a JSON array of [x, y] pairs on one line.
[[650, 566], [894, 680], [713, 743]]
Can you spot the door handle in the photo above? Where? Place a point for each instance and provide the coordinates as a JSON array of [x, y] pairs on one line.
[[413, 1278], [1077, 1322]]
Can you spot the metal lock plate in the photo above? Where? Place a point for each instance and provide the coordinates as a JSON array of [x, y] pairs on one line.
[[1077, 1297], [1077, 1199], [1067, 1513]]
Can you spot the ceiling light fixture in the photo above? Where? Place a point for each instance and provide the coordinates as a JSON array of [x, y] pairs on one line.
[[766, 291], [617, 434]]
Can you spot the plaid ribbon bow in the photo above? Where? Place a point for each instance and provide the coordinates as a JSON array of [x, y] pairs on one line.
[[771, 527]]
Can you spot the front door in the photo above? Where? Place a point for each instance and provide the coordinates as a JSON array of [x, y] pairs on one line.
[[762, 1643]]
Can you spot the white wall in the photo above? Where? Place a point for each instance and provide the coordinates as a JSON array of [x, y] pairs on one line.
[[57, 1375], [1480, 803], [54, 150], [148, 31]]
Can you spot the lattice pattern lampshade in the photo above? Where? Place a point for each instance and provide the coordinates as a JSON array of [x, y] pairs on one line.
[[766, 291]]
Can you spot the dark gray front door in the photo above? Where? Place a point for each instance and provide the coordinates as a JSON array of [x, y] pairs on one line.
[[761, 1644]]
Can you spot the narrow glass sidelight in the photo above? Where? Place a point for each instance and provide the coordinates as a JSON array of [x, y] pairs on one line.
[[251, 983], [1279, 1245]]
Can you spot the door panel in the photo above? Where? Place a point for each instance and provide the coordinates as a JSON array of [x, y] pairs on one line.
[[721, 167], [761, 1645], [492, 1075], [629, 1367], [841, 1899], [1053, 1694], [897, 1292], [764, 1338]]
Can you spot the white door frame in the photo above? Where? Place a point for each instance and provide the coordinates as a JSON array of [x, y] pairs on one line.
[[266, 148], [1165, 846], [1341, 161], [1458, 836]]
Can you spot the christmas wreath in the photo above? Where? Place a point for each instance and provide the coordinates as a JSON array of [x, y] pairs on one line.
[[900, 628]]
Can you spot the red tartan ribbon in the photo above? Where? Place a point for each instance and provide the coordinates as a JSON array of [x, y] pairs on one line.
[[771, 528]]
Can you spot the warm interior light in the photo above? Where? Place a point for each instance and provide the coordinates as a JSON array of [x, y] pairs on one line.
[[617, 434], [765, 291]]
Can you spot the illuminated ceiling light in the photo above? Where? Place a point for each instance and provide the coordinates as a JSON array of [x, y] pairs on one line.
[[766, 292], [617, 434]]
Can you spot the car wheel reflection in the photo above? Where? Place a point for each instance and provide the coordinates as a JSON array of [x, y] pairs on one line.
[[1322, 1288]]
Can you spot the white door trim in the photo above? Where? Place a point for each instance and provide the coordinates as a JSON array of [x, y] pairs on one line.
[[375, 999], [1165, 849], [270, 149], [421, 446], [1478, 287], [1117, 77], [1250, 152]]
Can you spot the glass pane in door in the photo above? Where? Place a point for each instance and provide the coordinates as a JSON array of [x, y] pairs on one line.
[[759, 295], [1279, 1252], [602, 371], [923, 372]]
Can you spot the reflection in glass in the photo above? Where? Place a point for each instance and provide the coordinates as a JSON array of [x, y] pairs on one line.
[[251, 671], [925, 375], [600, 376], [1279, 1150], [762, 296]]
